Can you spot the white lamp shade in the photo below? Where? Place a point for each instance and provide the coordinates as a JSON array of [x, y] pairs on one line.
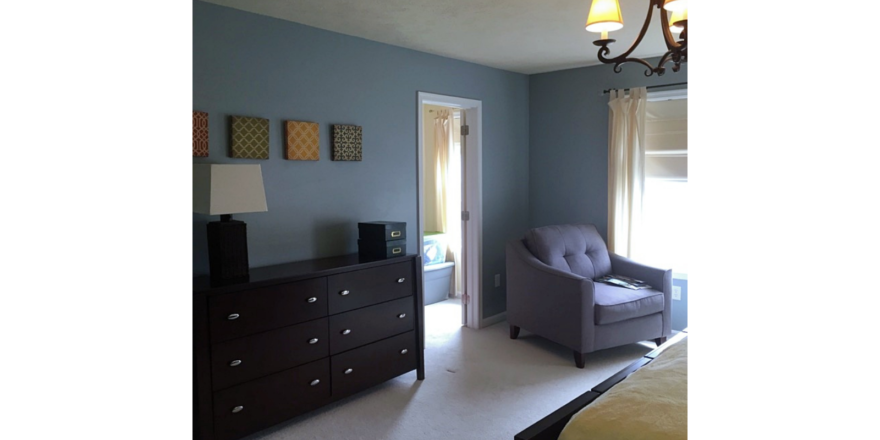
[[675, 5], [676, 17], [228, 189], [604, 16]]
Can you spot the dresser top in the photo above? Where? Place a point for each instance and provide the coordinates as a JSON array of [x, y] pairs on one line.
[[287, 272]]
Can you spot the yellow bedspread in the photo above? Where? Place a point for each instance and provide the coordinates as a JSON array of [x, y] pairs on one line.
[[649, 404]]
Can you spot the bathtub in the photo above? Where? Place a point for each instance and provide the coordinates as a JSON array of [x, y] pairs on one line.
[[438, 279]]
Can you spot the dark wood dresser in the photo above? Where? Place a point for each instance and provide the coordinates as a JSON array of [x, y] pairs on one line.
[[298, 336]]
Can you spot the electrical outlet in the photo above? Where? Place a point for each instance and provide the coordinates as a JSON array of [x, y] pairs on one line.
[[497, 280], [676, 293]]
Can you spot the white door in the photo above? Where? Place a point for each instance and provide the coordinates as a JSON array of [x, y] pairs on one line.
[[470, 226], [465, 129]]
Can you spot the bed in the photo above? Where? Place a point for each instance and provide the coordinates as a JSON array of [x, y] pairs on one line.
[[645, 400]]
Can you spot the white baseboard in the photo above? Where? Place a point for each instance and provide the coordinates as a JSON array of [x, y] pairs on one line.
[[493, 319]]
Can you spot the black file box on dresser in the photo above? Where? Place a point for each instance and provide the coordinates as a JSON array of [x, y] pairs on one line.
[[298, 336], [381, 239]]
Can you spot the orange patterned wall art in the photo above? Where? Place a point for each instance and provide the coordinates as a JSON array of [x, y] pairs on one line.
[[303, 141], [200, 134]]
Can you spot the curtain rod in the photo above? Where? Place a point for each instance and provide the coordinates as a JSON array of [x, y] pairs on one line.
[[606, 91]]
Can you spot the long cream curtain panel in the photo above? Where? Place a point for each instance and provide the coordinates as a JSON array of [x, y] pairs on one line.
[[442, 134], [626, 169], [448, 186]]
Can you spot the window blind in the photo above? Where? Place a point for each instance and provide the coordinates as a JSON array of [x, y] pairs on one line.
[[666, 140]]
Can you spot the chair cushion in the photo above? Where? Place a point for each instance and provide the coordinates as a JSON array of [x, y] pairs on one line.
[[578, 249], [615, 304]]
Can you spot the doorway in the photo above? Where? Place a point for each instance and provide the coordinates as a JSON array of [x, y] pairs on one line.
[[450, 206], [442, 242]]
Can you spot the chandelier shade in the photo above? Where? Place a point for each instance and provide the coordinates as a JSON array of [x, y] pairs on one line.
[[675, 24], [675, 5], [604, 16]]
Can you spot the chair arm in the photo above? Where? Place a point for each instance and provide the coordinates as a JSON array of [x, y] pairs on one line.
[[553, 303], [659, 279]]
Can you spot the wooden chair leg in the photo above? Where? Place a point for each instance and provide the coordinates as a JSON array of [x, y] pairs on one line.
[[514, 332], [579, 359], [659, 341]]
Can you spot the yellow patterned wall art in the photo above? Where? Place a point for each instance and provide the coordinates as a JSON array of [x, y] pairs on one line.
[[303, 141], [250, 138]]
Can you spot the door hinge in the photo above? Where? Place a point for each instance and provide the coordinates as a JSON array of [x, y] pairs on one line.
[[465, 216], [465, 130], [465, 298]]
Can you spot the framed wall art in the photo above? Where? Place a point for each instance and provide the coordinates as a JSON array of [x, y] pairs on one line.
[[347, 141], [249, 138]]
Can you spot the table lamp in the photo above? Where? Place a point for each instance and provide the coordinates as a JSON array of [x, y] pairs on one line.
[[225, 190]]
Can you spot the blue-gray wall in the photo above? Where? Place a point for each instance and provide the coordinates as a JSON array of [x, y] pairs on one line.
[[568, 148], [680, 307], [251, 65]]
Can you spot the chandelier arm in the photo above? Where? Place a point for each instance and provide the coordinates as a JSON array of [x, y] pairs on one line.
[[670, 55], [683, 43], [650, 69], [657, 3]]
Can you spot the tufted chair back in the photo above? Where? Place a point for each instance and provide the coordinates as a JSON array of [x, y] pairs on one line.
[[578, 249]]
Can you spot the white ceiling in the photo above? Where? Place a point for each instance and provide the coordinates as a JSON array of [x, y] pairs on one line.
[[525, 36]]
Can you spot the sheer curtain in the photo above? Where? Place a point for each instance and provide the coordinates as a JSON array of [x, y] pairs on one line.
[[626, 169]]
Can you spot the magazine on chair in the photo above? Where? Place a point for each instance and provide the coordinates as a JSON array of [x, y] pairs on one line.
[[622, 281]]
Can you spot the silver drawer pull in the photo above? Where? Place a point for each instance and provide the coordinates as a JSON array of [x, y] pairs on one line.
[[346, 331], [315, 382], [233, 316], [344, 292], [400, 280], [313, 341], [404, 351], [235, 363], [237, 409], [312, 299], [402, 315], [349, 371]]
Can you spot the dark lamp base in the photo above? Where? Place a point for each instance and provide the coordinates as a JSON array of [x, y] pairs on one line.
[[227, 252]]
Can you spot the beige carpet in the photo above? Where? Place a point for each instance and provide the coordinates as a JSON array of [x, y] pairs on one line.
[[479, 384]]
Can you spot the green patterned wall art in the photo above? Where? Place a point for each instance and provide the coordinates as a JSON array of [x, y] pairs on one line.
[[347, 140], [249, 138]]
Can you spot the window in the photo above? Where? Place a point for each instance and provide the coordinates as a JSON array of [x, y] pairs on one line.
[[665, 217]]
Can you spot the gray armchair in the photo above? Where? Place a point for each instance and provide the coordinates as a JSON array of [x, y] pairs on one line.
[[551, 293]]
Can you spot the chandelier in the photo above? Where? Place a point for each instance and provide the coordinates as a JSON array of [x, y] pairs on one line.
[[605, 17]]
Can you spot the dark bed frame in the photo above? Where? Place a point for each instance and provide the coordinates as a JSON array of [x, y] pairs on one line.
[[551, 426]]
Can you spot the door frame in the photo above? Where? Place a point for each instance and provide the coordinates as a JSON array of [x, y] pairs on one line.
[[473, 163]]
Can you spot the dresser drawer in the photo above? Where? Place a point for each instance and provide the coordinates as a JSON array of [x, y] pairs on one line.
[[362, 326], [244, 313], [243, 359], [366, 287], [364, 367], [270, 400]]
